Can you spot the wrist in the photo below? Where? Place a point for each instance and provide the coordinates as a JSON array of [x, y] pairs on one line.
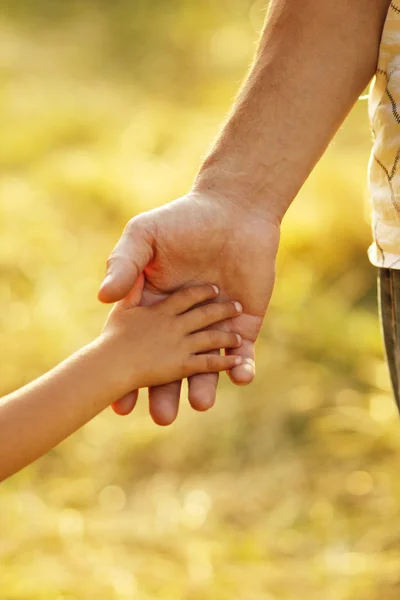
[[102, 353], [241, 188], [116, 363]]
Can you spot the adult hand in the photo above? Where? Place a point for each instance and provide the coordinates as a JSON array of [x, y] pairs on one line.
[[199, 238]]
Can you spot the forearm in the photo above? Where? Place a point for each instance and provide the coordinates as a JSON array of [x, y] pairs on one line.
[[313, 61], [43, 413]]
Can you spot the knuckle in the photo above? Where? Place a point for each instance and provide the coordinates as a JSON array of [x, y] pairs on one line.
[[187, 294], [110, 261], [137, 223], [113, 258], [116, 256], [210, 361]]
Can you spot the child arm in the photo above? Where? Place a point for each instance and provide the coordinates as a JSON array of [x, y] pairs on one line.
[[38, 416], [139, 346]]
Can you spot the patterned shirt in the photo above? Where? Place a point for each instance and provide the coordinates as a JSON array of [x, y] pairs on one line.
[[384, 165]]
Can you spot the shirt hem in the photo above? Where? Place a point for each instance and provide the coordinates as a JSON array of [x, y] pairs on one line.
[[384, 260]]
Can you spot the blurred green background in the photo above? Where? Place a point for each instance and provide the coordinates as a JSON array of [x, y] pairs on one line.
[[286, 489]]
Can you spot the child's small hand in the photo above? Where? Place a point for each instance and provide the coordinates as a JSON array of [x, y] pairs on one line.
[[166, 342]]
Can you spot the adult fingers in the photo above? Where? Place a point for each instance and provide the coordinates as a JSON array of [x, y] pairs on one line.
[[164, 402], [126, 404], [133, 252], [203, 390], [244, 373]]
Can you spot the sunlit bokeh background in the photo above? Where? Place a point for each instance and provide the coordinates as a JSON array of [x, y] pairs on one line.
[[286, 489]]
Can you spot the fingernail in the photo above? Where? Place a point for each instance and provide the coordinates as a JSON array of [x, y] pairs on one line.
[[239, 338], [238, 360], [250, 368], [216, 290], [238, 306]]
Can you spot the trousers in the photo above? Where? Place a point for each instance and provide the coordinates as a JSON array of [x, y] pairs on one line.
[[389, 315]]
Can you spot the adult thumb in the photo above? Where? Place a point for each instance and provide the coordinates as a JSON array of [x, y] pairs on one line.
[[130, 256], [133, 297]]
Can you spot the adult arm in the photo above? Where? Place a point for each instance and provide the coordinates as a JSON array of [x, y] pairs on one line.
[[313, 61]]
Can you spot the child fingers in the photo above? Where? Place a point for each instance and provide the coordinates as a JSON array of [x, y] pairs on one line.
[[185, 298], [208, 314], [213, 340], [212, 363]]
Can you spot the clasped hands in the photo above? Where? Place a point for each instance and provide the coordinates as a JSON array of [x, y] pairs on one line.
[[198, 239]]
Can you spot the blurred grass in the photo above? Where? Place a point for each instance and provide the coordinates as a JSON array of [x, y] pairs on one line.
[[286, 489]]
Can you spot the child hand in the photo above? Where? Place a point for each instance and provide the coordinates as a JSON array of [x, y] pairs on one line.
[[168, 341]]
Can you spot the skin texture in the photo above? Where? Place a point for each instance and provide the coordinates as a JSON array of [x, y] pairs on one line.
[[139, 346], [310, 67]]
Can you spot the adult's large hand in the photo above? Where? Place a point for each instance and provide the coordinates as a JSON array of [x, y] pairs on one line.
[[200, 237]]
